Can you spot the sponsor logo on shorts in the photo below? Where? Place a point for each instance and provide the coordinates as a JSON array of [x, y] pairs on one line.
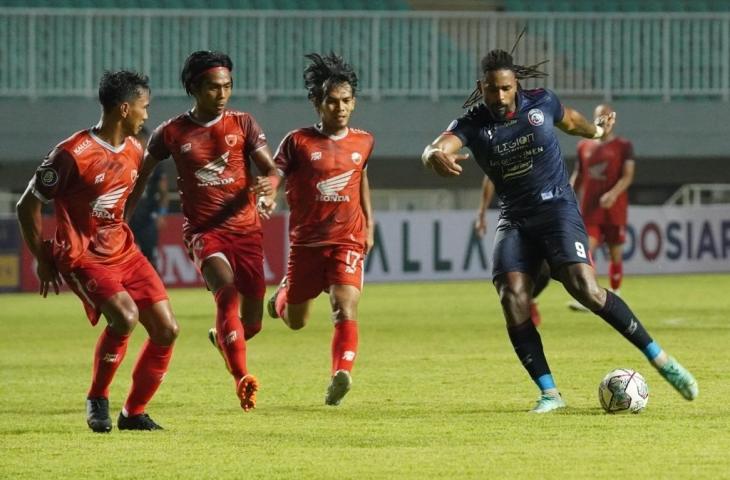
[[49, 177], [315, 156], [330, 189], [99, 178], [91, 285], [186, 147], [535, 117]]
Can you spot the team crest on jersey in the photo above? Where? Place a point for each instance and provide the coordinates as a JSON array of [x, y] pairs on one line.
[[330, 189], [49, 177], [231, 140], [135, 175], [356, 157], [535, 117]]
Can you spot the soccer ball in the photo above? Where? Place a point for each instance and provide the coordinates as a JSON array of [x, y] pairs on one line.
[[623, 391]]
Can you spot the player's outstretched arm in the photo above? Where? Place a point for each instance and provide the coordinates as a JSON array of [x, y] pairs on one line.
[[573, 123], [441, 155], [480, 225], [28, 211], [148, 166], [266, 186], [367, 209]]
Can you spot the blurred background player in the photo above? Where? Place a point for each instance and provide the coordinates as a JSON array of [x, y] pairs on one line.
[[513, 139], [603, 172], [213, 148], [331, 221], [149, 215], [89, 177], [480, 225]]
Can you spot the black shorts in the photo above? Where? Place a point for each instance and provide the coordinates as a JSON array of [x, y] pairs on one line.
[[554, 232]]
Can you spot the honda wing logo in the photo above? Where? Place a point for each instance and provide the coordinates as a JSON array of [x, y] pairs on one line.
[[102, 206], [330, 189], [210, 175]]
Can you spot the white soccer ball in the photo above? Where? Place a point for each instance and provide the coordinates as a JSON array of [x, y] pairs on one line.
[[623, 391]]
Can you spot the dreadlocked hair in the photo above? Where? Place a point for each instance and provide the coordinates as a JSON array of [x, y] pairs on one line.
[[197, 63], [501, 60], [325, 72]]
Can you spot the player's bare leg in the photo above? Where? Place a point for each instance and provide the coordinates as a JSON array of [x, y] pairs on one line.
[[343, 300], [121, 315], [229, 329], [580, 281], [296, 315], [151, 366], [251, 311], [515, 294]]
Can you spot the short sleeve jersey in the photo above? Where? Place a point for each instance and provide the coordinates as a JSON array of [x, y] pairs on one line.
[[214, 169], [89, 181], [600, 165], [521, 155], [323, 176]]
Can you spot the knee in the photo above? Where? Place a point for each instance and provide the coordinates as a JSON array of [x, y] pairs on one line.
[[165, 332], [512, 298], [297, 323], [587, 290], [125, 319]]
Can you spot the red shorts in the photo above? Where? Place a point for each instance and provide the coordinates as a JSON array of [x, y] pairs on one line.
[[607, 233], [94, 284], [312, 270], [244, 253]]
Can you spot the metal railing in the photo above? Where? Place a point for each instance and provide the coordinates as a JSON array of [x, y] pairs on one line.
[[696, 194], [62, 52]]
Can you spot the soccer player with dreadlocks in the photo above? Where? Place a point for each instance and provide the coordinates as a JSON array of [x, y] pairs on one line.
[[331, 220], [512, 137], [213, 148]]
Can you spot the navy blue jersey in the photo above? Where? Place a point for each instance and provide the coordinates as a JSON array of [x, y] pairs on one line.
[[521, 155]]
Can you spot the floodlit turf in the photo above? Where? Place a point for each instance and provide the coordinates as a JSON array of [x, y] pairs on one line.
[[437, 393]]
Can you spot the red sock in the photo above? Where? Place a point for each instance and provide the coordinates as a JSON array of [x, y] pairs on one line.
[[344, 345], [280, 302], [230, 330], [147, 376], [616, 274], [109, 353]]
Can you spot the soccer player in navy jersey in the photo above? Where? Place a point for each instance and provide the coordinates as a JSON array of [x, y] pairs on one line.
[[513, 139]]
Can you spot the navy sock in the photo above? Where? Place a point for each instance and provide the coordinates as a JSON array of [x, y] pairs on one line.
[[528, 347], [617, 314]]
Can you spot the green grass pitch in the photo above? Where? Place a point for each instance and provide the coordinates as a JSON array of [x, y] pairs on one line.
[[438, 392]]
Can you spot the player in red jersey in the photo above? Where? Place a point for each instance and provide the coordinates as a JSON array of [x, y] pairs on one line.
[[480, 227], [89, 176], [331, 221], [603, 172], [213, 147]]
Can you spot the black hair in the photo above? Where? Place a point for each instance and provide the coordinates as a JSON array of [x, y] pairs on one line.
[[121, 86], [197, 63], [500, 60], [325, 72]]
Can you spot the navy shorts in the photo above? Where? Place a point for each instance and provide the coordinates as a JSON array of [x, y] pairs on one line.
[[554, 232]]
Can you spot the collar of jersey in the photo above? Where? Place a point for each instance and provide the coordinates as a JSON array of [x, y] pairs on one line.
[[318, 126], [208, 124], [105, 144]]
